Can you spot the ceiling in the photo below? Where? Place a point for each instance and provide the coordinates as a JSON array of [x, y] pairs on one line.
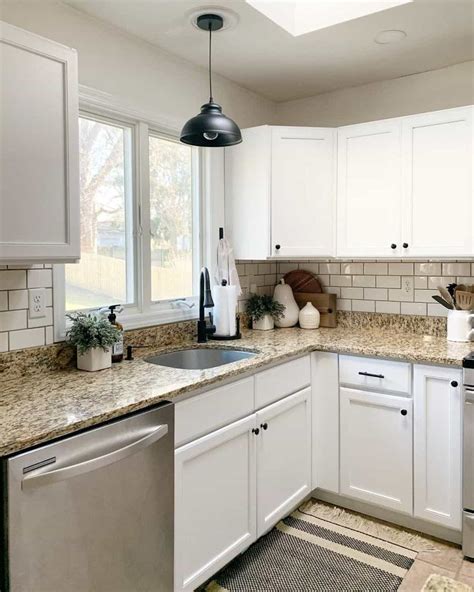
[[261, 56]]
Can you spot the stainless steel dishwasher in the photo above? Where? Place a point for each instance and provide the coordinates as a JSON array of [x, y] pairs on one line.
[[94, 512]]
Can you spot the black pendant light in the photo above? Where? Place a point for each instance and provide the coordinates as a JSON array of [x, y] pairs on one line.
[[211, 127]]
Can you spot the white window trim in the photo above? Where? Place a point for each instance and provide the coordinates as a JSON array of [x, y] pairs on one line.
[[145, 313]]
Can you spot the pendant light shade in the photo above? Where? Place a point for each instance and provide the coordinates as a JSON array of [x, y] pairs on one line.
[[211, 127]]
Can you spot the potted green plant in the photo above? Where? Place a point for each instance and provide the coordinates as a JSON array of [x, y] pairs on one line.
[[264, 310], [93, 336]]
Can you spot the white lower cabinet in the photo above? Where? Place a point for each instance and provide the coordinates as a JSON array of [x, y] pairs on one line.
[[235, 483], [215, 506], [283, 458], [376, 448], [437, 454]]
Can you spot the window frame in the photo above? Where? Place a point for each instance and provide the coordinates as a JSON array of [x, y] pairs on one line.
[[143, 312]]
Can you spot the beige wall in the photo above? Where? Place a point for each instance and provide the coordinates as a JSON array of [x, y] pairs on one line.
[[439, 89], [139, 73]]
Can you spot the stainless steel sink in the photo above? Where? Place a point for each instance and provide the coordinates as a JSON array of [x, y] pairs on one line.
[[199, 358]]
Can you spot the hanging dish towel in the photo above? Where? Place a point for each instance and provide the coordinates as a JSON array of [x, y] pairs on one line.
[[226, 269]]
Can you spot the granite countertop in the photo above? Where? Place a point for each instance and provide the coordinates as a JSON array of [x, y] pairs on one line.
[[49, 404]]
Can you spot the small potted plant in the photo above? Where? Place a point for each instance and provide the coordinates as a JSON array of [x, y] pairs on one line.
[[93, 336], [264, 311]]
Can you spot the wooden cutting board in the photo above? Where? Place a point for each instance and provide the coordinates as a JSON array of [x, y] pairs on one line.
[[325, 303], [303, 281]]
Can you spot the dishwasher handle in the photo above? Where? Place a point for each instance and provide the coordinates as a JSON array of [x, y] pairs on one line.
[[98, 462]]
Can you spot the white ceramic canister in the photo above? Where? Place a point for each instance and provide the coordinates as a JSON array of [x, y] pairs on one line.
[[460, 325], [309, 317], [264, 324], [284, 295]]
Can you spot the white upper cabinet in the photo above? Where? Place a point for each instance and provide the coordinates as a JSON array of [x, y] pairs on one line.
[[369, 205], [405, 187], [438, 162], [280, 193], [39, 170]]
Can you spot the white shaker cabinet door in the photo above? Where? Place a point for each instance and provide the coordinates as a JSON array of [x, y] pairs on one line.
[[283, 458], [39, 178], [376, 448], [438, 428], [303, 200], [438, 190], [215, 516], [369, 205]]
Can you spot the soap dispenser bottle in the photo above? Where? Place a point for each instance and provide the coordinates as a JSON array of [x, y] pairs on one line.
[[117, 348]]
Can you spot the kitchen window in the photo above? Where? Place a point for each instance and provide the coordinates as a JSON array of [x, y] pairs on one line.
[[140, 225]]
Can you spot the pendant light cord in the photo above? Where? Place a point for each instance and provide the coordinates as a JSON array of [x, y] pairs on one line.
[[211, 100]]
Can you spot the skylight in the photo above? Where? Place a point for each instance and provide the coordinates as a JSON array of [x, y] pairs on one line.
[[303, 16]]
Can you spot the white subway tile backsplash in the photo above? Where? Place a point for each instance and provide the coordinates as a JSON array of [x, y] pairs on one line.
[[375, 294], [427, 268], [388, 281], [3, 342], [40, 278], [425, 295], [352, 268], [387, 307], [341, 280], [413, 308], [436, 310], [437, 280], [27, 338], [49, 335], [343, 304], [400, 268], [333, 290], [421, 282], [4, 300], [312, 267], [375, 268], [12, 279], [363, 281], [264, 268], [330, 268], [12, 320], [354, 293], [18, 299], [363, 305], [456, 269]]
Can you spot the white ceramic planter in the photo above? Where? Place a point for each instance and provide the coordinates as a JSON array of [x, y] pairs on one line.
[[94, 359], [460, 325], [266, 323]]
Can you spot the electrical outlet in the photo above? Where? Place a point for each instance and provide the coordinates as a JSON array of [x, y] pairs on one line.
[[407, 285], [37, 303]]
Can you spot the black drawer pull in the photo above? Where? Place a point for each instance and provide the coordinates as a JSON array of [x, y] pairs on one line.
[[264, 426], [393, 246], [454, 383], [404, 412], [256, 431], [405, 245], [371, 375], [277, 247]]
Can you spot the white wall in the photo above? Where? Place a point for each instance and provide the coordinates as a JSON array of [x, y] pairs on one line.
[[438, 89], [140, 74]]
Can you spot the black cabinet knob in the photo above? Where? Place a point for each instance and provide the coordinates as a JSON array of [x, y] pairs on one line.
[[404, 412], [256, 431], [405, 245], [393, 246], [454, 383], [264, 426], [277, 247]]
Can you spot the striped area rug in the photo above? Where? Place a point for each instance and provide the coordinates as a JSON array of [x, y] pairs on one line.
[[304, 553]]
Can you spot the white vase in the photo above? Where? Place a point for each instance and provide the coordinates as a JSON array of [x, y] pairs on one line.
[[94, 359], [309, 317], [284, 295], [264, 324], [460, 325]]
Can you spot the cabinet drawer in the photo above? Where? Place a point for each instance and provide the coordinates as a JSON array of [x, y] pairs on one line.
[[204, 413], [375, 374], [279, 381]]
